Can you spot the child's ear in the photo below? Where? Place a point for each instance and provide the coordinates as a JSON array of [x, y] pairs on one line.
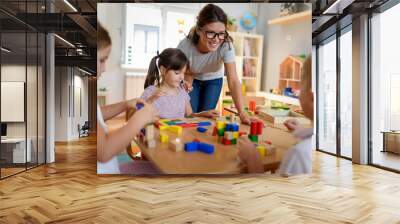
[[162, 70]]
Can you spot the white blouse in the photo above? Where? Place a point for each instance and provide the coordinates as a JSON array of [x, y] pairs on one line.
[[112, 166]]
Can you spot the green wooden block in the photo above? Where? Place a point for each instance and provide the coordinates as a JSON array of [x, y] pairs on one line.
[[234, 141], [221, 132], [253, 138]]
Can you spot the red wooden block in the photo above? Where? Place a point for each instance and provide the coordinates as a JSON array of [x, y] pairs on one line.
[[253, 128], [188, 125], [252, 105], [259, 127], [215, 131]]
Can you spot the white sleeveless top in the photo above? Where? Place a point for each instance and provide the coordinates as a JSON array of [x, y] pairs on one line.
[[112, 166]]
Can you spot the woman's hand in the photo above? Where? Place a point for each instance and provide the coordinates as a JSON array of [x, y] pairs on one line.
[[292, 124], [187, 85], [244, 118], [208, 113]]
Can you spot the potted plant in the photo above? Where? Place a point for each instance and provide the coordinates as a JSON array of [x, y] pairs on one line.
[[231, 24]]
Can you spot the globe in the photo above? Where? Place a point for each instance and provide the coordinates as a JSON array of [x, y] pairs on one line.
[[248, 21]]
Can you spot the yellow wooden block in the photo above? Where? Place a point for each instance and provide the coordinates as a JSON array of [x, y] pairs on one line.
[[164, 138], [220, 124], [261, 150], [235, 134], [163, 128], [176, 129]]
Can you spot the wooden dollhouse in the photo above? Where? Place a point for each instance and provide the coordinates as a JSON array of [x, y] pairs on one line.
[[290, 73]]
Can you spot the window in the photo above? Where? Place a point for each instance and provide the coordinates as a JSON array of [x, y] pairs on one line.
[[385, 89], [145, 45], [327, 97], [346, 94]]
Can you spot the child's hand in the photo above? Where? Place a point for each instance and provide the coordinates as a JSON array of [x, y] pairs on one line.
[[148, 114], [131, 104], [292, 124], [249, 155], [208, 113]]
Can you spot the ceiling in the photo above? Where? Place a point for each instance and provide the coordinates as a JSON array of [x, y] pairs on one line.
[[73, 20]]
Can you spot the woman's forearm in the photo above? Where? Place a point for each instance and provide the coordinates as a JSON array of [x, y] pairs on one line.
[[236, 91], [112, 110]]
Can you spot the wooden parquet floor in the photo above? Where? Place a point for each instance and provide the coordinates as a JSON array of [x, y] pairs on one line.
[[70, 191]]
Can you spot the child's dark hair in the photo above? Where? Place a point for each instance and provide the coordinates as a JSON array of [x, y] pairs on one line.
[[170, 58], [209, 14]]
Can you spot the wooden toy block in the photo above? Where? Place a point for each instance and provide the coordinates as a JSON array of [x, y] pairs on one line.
[[191, 146], [201, 129], [252, 105], [176, 145], [235, 135], [215, 131], [261, 150], [220, 125], [221, 132], [242, 133], [163, 128], [204, 123], [139, 106], [270, 149], [151, 143], [229, 135], [176, 129], [164, 137], [188, 125], [253, 138], [221, 119], [234, 141], [206, 148], [149, 132]]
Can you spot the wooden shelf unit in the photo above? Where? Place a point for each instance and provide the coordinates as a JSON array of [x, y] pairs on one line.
[[290, 19], [248, 50]]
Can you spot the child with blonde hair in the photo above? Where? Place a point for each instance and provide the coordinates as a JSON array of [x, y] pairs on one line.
[[298, 160]]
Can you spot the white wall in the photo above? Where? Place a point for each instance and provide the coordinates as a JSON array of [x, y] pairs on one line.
[[110, 16], [66, 121], [280, 41]]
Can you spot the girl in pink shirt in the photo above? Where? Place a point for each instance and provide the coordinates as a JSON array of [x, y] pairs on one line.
[[163, 86]]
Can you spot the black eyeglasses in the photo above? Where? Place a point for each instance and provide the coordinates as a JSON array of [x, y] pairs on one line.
[[212, 35]]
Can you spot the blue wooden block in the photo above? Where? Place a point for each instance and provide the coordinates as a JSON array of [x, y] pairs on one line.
[[235, 127], [201, 129], [139, 106], [191, 146], [206, 148], [204, 123]]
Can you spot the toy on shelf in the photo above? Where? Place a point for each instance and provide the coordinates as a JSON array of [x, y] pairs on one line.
[[227, 131], [256, 128], [199, 146], [290, 75]]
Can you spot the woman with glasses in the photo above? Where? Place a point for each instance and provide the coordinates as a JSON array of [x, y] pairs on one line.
[[211, 54]]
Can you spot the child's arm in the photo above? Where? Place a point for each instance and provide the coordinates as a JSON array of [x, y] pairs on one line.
[[208, 114], [112, 110], [111, 143], [249, 155]]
